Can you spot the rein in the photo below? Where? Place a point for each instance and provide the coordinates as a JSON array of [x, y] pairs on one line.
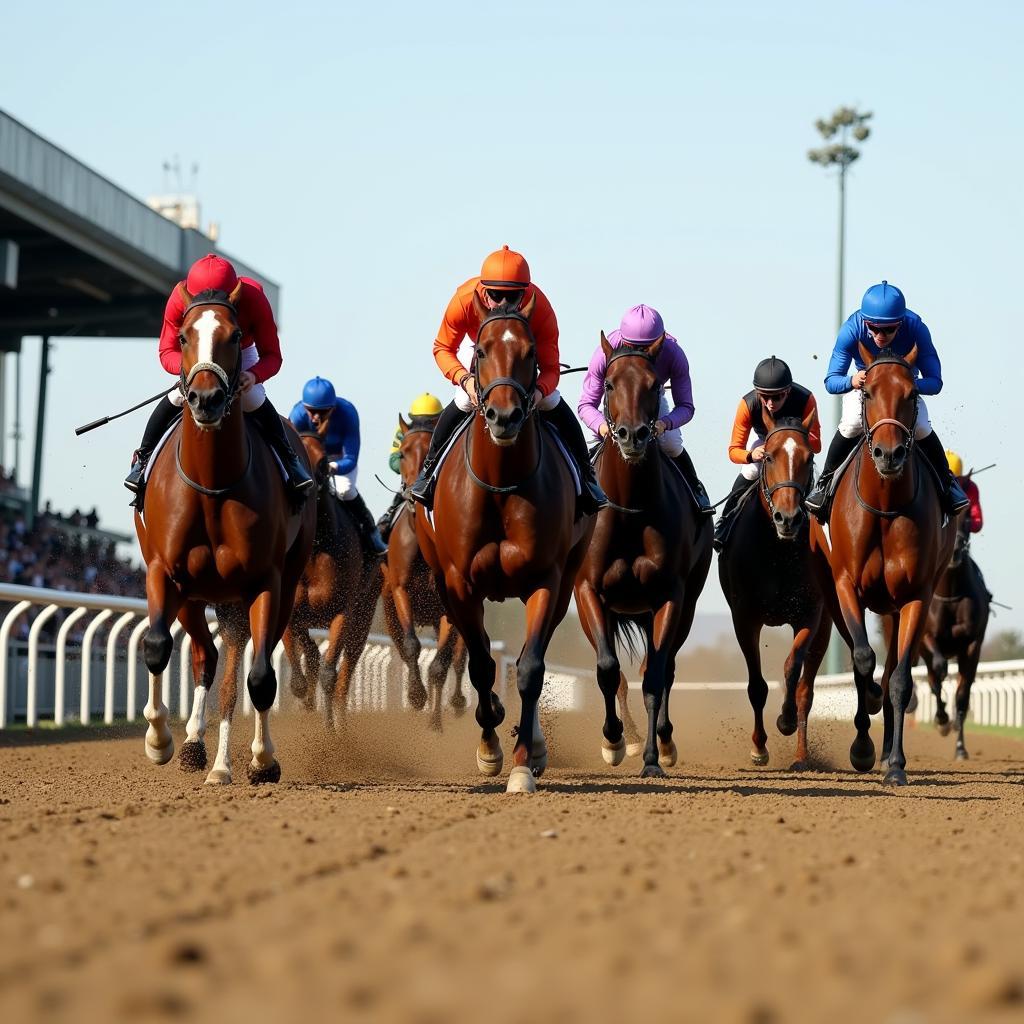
[[210, 492], [782, 484]]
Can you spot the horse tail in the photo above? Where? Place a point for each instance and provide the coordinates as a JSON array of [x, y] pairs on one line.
[[629, 631]]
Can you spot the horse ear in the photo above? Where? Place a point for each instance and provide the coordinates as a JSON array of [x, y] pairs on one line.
[[911, 357], [769, 420], [655, 347], [865, 354], [527, 308], [809, 420], [479, 307], [236, 293], [184, 293], [402, 425], [605, 347]]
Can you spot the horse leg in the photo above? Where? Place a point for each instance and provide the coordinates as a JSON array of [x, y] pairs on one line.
[[437, 674], [262, 682], [659, 645], [163, 602], [192, 756], [457, 702], [329, 680], [816, 649], [937, 667], [911, 625], [967, 664], [408, 644], [862, 750], [668, 754], [220, 774], [791, 672], [889, 626], [748, 635], [595, 625]]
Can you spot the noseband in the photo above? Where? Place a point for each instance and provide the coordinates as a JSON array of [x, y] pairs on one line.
[[230, 384], [525, 396], [907, 431], [629, 352], [792, 484]]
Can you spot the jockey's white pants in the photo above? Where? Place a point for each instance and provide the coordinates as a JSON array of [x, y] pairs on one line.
[[852, 425], [251, 400], [345, 484], [545, 404]]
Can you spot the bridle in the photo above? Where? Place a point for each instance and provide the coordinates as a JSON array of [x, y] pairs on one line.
[[230, 384], [907, 431], [795, 485], [627, 352]]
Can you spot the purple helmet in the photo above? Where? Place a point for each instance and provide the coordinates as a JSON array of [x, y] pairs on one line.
[[641, 325]]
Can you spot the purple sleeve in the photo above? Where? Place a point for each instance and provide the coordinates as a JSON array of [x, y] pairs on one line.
[[589, 407], [677, 370]]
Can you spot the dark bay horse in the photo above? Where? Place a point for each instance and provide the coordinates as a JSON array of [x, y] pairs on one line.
[[649, 558], [410, 598], [956, 628], [337, 592], [768, 579], [504, 526], [218, 529], [886, 546]]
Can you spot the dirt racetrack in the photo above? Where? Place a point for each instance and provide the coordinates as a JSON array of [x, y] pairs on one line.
[[383, 879]]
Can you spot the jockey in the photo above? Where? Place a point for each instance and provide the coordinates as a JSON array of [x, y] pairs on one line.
[[424, 410], [883, 323], [774, 393], [642, 326], [505, 277], [336, 421], [975, 520], [261, 359]]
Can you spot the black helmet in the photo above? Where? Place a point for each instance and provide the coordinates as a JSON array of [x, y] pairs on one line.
[[772, 375]]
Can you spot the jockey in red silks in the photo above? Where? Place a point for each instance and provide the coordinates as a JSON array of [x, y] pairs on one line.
[[975, 519], [261, 359]]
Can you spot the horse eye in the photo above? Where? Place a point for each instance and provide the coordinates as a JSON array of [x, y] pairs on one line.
[[182, 340], [480, 353], [866, 393], [608, 385]]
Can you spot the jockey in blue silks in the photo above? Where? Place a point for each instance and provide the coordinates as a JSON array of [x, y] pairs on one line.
[[336, 422], [883, 324]]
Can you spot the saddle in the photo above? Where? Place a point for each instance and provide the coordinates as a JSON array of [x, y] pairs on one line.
[[730, 521]]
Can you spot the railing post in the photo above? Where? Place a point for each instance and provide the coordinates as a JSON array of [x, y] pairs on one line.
[[5, 635], [131, 703], [61, 662], [108, 692], [90, 632], [32, 683]]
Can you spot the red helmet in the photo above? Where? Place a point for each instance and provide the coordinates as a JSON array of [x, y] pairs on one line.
[[211, 272]]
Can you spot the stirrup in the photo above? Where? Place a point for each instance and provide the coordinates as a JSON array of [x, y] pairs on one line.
[[422, 490]]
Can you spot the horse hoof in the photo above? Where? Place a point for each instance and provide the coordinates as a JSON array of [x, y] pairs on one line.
[[873, 698], [489, 762], [634, 749], [667, 754], [862, 754], [613, 753], [962, 755], [154, 751], [521, 780], [652, 771], [417, 698], [434, 724], [219, 777], [895, 777], [787, 726], [458, 703], [192, 756], [258, 775], [539, 760], [798, 766], [759, 757], [943, 727]]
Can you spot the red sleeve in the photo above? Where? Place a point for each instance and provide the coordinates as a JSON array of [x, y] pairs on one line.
[[260, 322], [545, 329], [976, 519], [170, 347]]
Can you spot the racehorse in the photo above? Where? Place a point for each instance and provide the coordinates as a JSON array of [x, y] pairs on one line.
[[218, 529], [409, 596], [649, 558], [337, 592], [956, 628], [768, 579], [504, 526], [887, 545]]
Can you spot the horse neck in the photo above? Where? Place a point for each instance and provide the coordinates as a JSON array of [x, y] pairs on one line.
[[886, 495], [215, 458], [627, 483], [503, 465]]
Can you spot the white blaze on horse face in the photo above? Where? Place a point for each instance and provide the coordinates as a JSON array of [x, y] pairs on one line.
[[508, 336], [205, 328]]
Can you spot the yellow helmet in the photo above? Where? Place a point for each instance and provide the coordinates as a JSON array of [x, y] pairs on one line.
[[956, 464], [426, 405]]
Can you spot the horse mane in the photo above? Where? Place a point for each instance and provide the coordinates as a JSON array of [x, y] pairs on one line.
[[789, 423], [890, 357], [212, 297], [423, 422]]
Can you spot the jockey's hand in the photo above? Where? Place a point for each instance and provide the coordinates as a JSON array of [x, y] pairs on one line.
[[246, 380], [604, 430], [538, 397], [858, 380], [757, 455], [660, 427], [469, 386]]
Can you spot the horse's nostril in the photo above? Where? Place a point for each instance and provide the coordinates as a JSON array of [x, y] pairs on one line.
[[192, 397], [642, 434], [899, 452], [877, 452], [779, 517], [490, 415], [622, 434], [515, 417]]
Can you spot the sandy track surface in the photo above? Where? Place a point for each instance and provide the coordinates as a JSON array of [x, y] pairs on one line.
[[383, 879]]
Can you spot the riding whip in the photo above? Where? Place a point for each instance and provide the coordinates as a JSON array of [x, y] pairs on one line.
[[117, 415]]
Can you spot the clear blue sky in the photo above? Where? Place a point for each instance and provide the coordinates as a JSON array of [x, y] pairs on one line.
[[368, 156]]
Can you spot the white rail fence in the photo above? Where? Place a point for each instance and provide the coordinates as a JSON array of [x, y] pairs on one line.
[[69, 672]]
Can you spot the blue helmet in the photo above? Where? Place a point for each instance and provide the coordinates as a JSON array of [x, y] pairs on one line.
[[319, 394], [883, 304]]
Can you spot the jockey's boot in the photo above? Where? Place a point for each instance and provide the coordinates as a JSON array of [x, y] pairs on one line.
[[838, 450], [593, 499], [953, 498], [685, 463], [386, 521], [724, 524], [422, 489], [160, 420], [356, 508], [300, 483]]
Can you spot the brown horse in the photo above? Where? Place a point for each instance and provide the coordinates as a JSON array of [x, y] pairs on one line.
[[504, 526], [649, 558], [956, 629], [768, 579], [886, 548], [410, 597], [337, 592], [218, 529]]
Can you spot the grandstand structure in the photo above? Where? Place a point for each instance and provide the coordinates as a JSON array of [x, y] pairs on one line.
[[79, 257]]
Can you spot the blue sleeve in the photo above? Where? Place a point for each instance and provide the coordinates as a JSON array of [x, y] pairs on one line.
[[298, 417], [927, 362], [349, 436], [837, 379]]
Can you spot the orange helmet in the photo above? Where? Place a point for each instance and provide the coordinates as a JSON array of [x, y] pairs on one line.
[[505, 270]]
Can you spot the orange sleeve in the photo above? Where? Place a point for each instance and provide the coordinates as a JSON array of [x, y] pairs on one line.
[[457, 323], [545, 329], [814, 433], [740, 433]]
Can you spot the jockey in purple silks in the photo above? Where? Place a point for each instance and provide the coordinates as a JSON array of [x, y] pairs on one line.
[[641, 327]]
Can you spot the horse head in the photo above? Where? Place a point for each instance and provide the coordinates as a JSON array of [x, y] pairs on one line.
[[786, 471], [211, 354], [412, 449], [314, 445], [889, 411], [632, 395], [505, 368]]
